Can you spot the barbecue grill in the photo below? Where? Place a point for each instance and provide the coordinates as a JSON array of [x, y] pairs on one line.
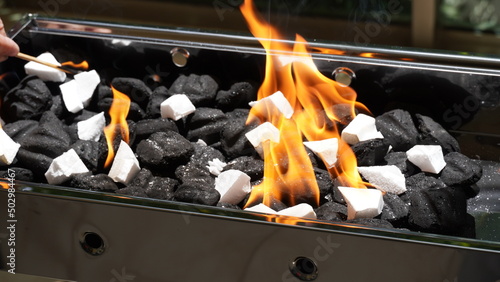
[[80, 235]]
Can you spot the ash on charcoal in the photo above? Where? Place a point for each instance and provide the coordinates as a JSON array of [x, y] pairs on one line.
[[200, 89], [238, 96], [234, 143], [154, 186], [432, 133], [164, 151], [398, 128], [434, 206], [460, 170], [146, 127], [134, 88], [36, 162], [135, 113], [49, 138], [98, 182], [197, 194], [400, 159], [159, 95], [28, 100], [253, 167], [395, 210], [92, 153], [370, 152], [332, 211], [20, 173], [206, 124]]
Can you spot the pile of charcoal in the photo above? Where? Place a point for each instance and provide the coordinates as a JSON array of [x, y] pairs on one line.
[[179, 157]]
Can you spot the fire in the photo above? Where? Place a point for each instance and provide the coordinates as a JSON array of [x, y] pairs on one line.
[[118, 113], [83, 65], [288, 173]]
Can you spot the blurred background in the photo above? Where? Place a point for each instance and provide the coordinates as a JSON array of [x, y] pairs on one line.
[[458, 25]]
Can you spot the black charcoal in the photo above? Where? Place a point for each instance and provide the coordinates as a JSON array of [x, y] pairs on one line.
[[205, 124], [164, 150], [134, 88], [197, 194], [58, 107], [17, 173], [324, 182], [196, 170], [132, 191], [98, 182], [398, 128], [49, 138], [160, 94], [146, 127], [92, 153], [234, 143], [400, 160], [200, 89], [332, 211], [29, 100], [18, 130], [432, 133], [395, 210], [135, 112], [238, 96], [370, 152], [36, 162], [252, 166], [154, 186], [228, 206], [460, 170]]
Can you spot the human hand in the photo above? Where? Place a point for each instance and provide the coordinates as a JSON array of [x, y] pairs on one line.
[[8, 47]]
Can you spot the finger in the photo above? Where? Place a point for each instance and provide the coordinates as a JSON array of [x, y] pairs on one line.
[[2, 28], [8, 47]]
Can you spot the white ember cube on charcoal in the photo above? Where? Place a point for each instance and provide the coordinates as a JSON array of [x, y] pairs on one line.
[[300, 210], [261, 208], [277, 101], [176, 107], [8, 148], [87, 82], [362, 203], [387, 178], [262, 133], [361, 128], [428, 158], [69, 91], [233, 185], [63, 167], [325, 149], [44, 72], [125, 165], [91, 129], [216, 166]]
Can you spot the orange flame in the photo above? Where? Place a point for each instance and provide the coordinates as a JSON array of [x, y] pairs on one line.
[[118, 113], [288, 172], [83, 65]]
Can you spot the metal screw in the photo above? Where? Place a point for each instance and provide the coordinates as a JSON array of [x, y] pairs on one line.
[[180, 56], [304, 268], [344, 76]]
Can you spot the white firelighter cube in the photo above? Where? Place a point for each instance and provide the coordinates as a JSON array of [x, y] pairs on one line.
[[428, 158], [277, 101], [44, 72], [387, 178], [262, 133], [176, 107], [261, 208], [361, 128], [63, 167], [362, 203], [87, 82], [233, 185], [125, 165], [91, 128], [69, 92], [215, 166], [8, 148], [325, 149], [300, 210]]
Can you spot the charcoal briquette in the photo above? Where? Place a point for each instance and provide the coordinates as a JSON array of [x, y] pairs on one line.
[[234, 143], [332, 211], [398, 128], [400, 160], [252, 166], [58, 107], [200, 89], [135, 112], [432, 133], [196, 170], [92, 153], [205, 124], [49, 138], [228, 206], [164, 150], [421, 181], [134, 88], [159, 95], [238, 96], [18, 130], [197, 194], [36, 162], [370, 152], [395, 210], [324, 182], [132, 191], [98, 182], [20, 173], [28, 100], [146, 127], [154, 186], [460, 170]]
